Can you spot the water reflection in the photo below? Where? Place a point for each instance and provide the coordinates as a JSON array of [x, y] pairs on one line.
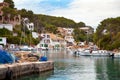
[[113, 69], [101, 68], [69, 67], [41, 76], [107, 69]]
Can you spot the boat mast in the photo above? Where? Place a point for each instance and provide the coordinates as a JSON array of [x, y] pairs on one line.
[[24, 23]]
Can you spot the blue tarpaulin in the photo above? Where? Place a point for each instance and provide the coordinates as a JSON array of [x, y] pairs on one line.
[[6, 57], [43, 58]]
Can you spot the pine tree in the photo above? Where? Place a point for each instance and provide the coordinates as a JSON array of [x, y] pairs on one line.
[[10, 2]]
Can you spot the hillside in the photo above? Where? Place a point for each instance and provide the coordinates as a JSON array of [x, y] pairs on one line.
[[107, 35], [49, 23], [42, 23]]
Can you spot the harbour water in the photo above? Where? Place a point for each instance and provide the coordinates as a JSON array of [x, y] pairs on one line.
[[69, 67]]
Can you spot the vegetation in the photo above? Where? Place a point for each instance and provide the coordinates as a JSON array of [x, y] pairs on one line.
[[10, 2], [80, 24], [80, 35], [9, 11], [51, 28], [42, 23], [13, 39], [26, 14], [5, 32], [24, 36], [107, 35]]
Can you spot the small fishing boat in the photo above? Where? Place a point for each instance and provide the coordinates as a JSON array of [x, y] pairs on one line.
[[88, 52], [100, 53], [116, 55], [85, 52]]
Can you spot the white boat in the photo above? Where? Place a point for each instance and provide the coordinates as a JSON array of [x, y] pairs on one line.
[[26, 48], [117, 55], [100, 53], [88, 52], [85, 52]]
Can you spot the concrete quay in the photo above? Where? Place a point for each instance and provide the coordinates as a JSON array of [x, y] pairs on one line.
[[19, 69]]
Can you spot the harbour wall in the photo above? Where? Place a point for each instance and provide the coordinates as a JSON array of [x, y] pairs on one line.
[[19, 69]]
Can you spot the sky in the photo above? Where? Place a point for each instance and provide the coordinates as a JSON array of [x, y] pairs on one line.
[[91, 12]]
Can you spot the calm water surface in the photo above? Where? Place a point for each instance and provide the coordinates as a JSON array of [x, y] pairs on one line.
[[69, 67]]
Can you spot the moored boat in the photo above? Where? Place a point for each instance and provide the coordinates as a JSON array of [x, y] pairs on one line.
[[100, 53], [85, 52], [116, 55], [97, 53]]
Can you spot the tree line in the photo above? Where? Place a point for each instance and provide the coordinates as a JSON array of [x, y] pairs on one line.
[[42, 23], [107, 34]]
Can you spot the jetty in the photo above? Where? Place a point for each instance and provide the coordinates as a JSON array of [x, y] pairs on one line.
[[20, 69]]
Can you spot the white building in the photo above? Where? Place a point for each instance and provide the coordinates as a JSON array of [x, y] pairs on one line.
[[26, 22], [68, 31], [30, 26], [88, 30], [51, 41], [58, 42], [81, 44], [69, 39], [68, 35], [7, 26], [12, 46], [3, 41], [35, 35], [46, 42]]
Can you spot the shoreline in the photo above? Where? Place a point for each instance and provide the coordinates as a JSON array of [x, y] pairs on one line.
[[20, 69]]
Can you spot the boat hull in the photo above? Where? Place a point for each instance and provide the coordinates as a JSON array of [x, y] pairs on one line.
[[94, 53]]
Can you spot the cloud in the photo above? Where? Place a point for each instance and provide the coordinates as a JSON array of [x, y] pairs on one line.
[[91, 12], [1, 0]]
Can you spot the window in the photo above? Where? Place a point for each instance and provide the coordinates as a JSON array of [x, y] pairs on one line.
[[0, 39], [69, 30], [17, 19], [48, 41], [44, 41], [41, 45], [45, 45], [48, 36], [0, 17]]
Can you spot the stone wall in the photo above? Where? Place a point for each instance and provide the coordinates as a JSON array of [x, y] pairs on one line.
[[20, 69]]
